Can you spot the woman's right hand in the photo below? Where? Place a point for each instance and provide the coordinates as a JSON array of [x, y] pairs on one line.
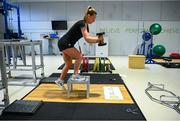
[[101, 39]]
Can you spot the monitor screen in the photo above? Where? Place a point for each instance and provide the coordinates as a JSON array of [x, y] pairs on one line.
[[59, 25]]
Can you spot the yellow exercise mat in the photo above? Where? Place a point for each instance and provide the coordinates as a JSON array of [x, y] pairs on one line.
[[163, 61], [52, 93]]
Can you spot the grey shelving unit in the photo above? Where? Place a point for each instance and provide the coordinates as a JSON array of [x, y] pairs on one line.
[[21, 45]]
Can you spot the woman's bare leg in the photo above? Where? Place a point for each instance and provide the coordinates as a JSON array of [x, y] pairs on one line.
[[68, 63], [74, 54]]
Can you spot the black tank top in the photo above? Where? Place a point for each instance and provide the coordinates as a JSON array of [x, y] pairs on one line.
[[74, 33]]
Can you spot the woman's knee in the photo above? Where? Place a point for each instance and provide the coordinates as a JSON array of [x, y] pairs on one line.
[[80, 57], [68, 64]]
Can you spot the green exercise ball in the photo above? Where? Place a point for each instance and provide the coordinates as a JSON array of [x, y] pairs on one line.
[[155, 29], [159, 50]]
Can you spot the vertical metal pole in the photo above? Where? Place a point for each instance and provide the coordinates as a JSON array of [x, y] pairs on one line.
[[20, 49], [13, 49], [41, 59], [88, 86], [7, 60], [19, 25], [151, 53], [3, 75], [151, 47], [144, 44], [5, 8], [33, 61]]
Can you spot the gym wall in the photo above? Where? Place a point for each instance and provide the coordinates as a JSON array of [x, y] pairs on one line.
[[123, 21]]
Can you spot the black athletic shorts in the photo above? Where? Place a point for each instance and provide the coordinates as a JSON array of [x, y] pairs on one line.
[[63, 44]]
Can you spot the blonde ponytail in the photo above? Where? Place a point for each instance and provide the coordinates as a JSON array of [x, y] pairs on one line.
[[90, 11]]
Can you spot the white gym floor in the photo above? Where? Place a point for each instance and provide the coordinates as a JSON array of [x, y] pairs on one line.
[[135, 79]]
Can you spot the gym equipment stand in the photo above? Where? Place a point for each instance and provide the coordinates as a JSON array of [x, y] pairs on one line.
[[14, 44], [169, 103]]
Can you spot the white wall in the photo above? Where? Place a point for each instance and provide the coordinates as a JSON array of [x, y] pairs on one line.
[[124, 36], [122, 21]]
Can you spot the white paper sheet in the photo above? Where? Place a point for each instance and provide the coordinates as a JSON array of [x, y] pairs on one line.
[[112, 93]]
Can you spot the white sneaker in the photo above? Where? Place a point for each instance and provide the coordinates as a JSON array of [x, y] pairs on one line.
[[77, 77], [60, 83]]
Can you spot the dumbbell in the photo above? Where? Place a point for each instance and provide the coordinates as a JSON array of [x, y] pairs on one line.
[[101, 34]]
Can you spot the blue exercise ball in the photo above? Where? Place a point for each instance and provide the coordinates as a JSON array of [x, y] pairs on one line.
[[146, 36]]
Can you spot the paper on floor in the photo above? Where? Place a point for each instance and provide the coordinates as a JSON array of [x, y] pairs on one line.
[[112, 93]]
